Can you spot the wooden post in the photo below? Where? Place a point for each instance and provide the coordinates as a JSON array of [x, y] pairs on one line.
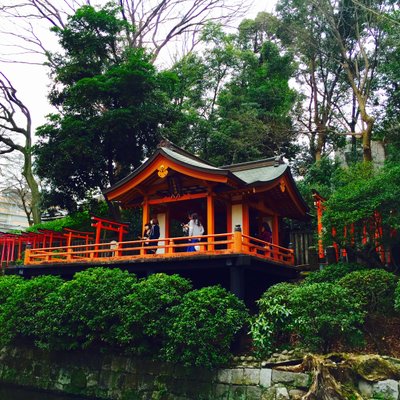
[[210, 220], [275, 230], [145, 213], [237, 239], [27, 257]]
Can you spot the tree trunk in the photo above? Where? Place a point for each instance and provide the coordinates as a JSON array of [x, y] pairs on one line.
[[33, 186]]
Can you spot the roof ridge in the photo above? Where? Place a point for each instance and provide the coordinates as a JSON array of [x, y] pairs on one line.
[[271, 161], [172, 146]]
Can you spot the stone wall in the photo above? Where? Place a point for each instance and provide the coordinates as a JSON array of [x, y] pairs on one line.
[[115, 377], [106, 376]]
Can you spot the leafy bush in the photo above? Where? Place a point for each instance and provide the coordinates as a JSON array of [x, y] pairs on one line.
[[323, 313], [8, 283], [270, 326], [147, 311], [334, 272], [85, 310], [78, 220], [373, 288], [19, 313], [397, 297], [204, 326]]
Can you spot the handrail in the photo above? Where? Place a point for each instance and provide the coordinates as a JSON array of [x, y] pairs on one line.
[[221, 243]]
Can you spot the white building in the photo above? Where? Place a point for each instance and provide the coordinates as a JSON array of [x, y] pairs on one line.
[[11, 215]]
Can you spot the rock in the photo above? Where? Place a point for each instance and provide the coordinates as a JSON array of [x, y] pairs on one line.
[[275, 355], [365, 389], [264, 363], [251, 376], [282, 393], [296, 394], [291, 352], [388, 388], [299, 380], [224, 376], [284, 352], [265, 377], [237, 376], [375, 368]]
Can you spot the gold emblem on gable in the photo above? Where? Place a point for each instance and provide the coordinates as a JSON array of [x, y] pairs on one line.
[[282, 185], [162, 171]]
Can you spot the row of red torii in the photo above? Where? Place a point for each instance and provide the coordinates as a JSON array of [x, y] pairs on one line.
[[12, 245]]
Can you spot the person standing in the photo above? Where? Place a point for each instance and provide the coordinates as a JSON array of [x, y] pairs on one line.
[[154, 234], [195, 229]]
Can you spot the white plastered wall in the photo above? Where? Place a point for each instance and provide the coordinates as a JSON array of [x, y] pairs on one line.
[[161, 220], [237, 215]]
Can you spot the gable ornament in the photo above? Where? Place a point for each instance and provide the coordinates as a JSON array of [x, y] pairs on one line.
[[162, 171]]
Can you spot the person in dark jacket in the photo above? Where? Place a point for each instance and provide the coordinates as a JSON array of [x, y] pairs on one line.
[[154, 234]]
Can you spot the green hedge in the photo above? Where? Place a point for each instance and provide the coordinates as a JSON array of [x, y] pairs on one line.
[[106, 308], [374, 289], [334, 272], [203, 327]]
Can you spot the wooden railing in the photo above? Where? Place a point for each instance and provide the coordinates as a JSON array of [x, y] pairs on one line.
[[223, 243]]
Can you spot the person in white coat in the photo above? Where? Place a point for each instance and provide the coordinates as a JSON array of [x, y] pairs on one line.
[[195, 228]]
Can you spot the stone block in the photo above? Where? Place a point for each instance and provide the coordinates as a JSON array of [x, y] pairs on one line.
[[237, 393], [266, 377], [282, 393], [221, 392], [299, 380], [365, 389], [251, 376], [237, 376], [224, 376], [268, 394], [253, 393], [388, 388]]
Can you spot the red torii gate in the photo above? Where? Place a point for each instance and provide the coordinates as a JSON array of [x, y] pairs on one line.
[[384, 255], [109, 225], [70, 234]]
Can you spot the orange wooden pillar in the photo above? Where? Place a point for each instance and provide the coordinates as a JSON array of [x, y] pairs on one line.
[[145, 213], [210, 219], [319, 229]]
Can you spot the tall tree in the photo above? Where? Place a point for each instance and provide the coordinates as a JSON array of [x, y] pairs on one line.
[[355, 28], [158, 23], [112, 103], [253, 108], [16, 135]]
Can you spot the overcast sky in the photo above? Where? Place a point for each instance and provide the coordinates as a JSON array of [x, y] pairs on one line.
[[31, 81]]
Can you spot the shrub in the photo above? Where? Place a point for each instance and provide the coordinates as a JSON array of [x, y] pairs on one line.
[[146, 312], [19, 312], [203, 327], [86, 310], [334, 272], [270, 326], [397, 297], [325, 312], [373, 288], [8, 283]]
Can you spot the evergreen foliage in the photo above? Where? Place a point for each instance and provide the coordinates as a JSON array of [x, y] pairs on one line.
[[203, 327], [109, 309], [373, 288]]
